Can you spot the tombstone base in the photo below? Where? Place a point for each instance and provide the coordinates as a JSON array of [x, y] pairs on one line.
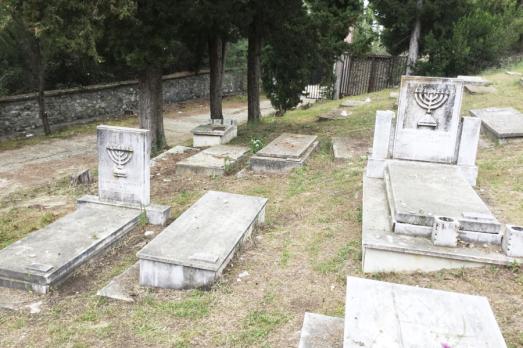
[[267, 164], [156, 214], [321, 331], [214, 134], [388, 251]]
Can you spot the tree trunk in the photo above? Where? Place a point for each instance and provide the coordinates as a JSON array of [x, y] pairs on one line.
[[38, 67], [150, 105], [216, 76], [254, 72], [414, 40]]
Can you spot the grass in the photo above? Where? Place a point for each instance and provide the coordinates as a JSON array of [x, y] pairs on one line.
[[298, 262]]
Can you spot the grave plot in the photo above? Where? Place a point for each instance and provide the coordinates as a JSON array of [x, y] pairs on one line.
[[216, 132], [501, 124], [46, 257], [382, 314], [420, 211], [284, 153], [215, 161], [194, 250]]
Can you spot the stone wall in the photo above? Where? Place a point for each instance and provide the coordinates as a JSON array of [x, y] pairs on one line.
[[19, 114]]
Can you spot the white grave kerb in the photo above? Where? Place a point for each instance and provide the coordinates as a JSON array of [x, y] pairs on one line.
[[124, 164]]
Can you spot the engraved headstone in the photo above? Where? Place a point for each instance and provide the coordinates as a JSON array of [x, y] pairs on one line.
[[427, 127], [124, 164]]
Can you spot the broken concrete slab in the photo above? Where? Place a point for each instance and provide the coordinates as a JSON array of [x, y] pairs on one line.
[[341, 148], [381, 314], [474, 80], [321, 331], [474, 89], [124, 286], [194, 250], [46, 257], [217, 132], [354, 103], [284, 153], [418, 192], [501, 124], [215, 161], [387, 251]]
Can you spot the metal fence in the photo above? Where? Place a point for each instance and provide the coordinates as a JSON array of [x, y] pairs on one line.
[[360, 75]]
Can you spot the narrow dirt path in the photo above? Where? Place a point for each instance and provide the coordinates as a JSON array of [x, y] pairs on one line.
[[38, 164]]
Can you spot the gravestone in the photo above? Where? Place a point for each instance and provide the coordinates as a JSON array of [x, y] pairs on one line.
[[381, 314], [214, 161], [474, 80], [216, 132], [286, 152], [194, 250], [501, 124], [420, 211], [124, 172], [474, 89]]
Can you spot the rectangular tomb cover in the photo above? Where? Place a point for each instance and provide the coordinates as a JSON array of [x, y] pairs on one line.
[[288, 145], [418, 191]]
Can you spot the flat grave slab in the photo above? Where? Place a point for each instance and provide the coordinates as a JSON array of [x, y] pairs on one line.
[[215, 133], [474, 89], [419, 191], [341, 148], [474, 80], [388, 251], [381, 314], [501, 123], [284, 153], [214, 161], [46, 257], [334, 115], [321, 331], [194, 250]]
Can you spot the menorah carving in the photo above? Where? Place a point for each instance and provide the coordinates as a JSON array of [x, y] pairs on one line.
[[430, 98], [120, 155]]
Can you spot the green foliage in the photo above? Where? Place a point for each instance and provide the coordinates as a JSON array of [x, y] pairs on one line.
[[256, 145]]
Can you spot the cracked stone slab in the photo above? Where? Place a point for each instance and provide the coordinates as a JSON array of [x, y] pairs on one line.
[[382, 314], [123, 287]]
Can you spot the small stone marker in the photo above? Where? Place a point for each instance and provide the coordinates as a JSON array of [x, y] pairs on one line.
[[473, 89], [381, 314], [284, 153], [341, 148], [474, 80], [502, 124], [123, 286], [215, 161], [321, 331], [513, 241], [83, 177], [217, 132], [354, 103], [194, 250]]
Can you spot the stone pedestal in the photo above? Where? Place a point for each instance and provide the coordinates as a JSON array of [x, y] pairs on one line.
[[445, 231], [513, 241], [217, 132]]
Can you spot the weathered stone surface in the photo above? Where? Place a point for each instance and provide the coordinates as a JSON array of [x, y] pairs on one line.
[[513, 73], [123, 164], [217, 132], [214, 161], [321, 331], [428, 120], [417, 192], [123, 286], [381, 314], [501, 123], [284, 153], [82, 177], [387, 251], [194, 250], [19, 114], [341, 148], [474, 80], [48, 256], [474, 89], [354, 103], [513, 241], [175, 150], [335, 115]]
